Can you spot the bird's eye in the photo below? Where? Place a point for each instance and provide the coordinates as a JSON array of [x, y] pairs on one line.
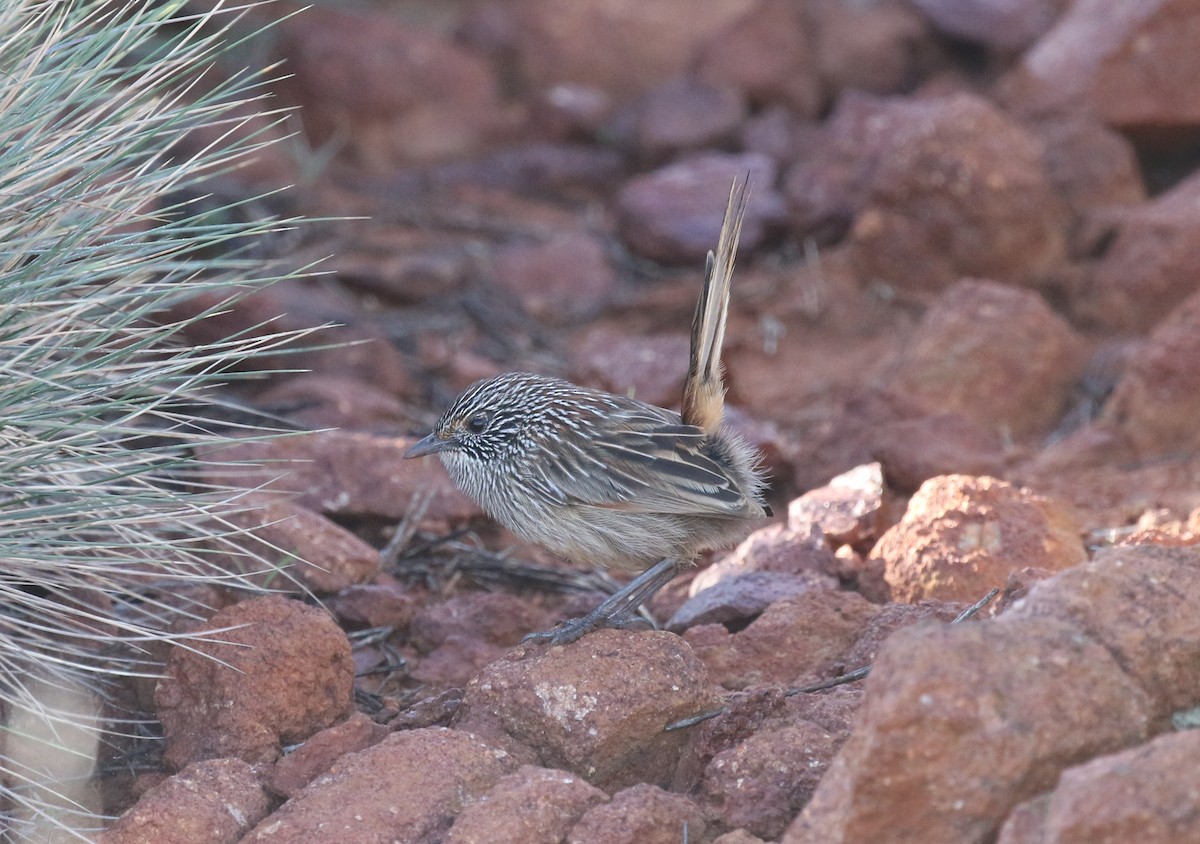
[[477, 424]]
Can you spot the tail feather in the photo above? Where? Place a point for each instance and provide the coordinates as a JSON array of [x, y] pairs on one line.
[[704, 392]]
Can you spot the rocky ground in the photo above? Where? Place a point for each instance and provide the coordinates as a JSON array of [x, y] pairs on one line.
[[965, 333]]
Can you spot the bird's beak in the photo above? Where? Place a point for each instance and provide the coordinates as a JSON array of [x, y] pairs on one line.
[[431, 444]]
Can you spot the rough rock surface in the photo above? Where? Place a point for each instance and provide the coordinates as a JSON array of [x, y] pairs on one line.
[[1107, 57], [1150, 266], [217, 800], [996, 355], [1154, 404], [928, 191], [674, 213], [408, 787], [1004, 26], [398, 93], [619, 46], [642, 814], [962, 536], [1135, 600], [323, 556], [1134, 795], [915, 767], [271, 672], [529, 806], [796, 639], [319, 751], [597, 707]]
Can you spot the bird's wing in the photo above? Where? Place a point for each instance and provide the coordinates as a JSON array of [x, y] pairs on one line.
[[646, 463]]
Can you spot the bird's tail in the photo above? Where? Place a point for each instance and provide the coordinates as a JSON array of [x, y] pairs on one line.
[[704, 392]]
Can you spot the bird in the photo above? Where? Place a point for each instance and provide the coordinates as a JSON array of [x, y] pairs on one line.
[[608, 480]]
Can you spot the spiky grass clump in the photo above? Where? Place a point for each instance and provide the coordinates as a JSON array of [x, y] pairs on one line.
[[103, 510]]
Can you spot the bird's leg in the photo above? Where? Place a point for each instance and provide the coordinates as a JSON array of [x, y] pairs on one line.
[[617, 610]]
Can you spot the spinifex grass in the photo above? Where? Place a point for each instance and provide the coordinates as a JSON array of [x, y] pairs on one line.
[[104, 512]]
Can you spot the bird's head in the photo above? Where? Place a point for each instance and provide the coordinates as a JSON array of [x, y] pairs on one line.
[[489, 421]]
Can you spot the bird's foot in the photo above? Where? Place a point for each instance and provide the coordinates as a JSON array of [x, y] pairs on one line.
[[574, 629], [619, 610]]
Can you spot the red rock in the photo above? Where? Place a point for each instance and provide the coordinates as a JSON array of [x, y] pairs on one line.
[[738, 836], [742, 713], [492, 616], [775, 133], [1107, 57], [527, 806], [460, 636], [1135, 795], [997, 355], [641, 814], [1162, 526], [596, 707], [1094, 446], [963, 535], [778, 549], [761, 783], [674, 214], [330, 401], [1089, 165], [795, 641], [931, 190], [393, 92], [349, 474], [651, 368], [862, 573], [766, 56], [561, 281], [1156, 401], [1138, 602], [680, 115], [374, 605], [408, 787], [216, 800], [889, 619], [1006, 26], [911, 451], [1165, 536], [489, 28], [620, 47], [569, 112], [846, 436], [274, 672], [319, 752], [400, 265], [1151, 266], [734, 601], [746, 713], [880, 47], [848, 510], [962, 722], [454, 662], [1097, 471], [1024, 824], [322, 556]]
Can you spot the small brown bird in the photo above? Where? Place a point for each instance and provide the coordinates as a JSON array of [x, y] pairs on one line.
[[605, 479]]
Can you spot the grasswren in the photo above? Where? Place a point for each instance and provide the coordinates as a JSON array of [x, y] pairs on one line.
[[609, 480]]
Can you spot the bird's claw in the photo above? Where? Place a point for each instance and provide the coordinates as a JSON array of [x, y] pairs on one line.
[[574, 629]]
